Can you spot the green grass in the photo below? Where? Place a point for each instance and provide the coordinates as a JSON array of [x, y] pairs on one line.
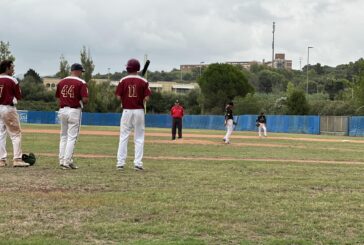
[[186, 201]]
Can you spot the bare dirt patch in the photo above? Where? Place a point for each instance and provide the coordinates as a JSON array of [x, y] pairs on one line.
[[206, 142], [200, 136]]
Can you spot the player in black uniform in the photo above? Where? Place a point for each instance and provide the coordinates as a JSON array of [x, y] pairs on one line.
[[229, 122], [262, 121]]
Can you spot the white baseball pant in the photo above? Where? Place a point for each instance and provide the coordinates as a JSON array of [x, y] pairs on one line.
[[131, 119], [262, 126], [10, 124], [229, 130], [70, 119]]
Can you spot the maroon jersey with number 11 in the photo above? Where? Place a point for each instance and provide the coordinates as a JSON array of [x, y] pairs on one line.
[[70, 91], [132, 90]]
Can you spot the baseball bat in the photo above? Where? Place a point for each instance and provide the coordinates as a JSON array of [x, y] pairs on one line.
[[145, 68]]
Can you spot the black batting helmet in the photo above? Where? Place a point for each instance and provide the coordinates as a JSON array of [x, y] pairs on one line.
[[133, 65]]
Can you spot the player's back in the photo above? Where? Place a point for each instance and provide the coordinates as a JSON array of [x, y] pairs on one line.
[[70, 91], [133, 89]]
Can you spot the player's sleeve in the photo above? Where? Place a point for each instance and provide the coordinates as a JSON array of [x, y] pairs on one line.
[[147, 91], [17, 92], [84, 90], [57, 91], [119, 89]]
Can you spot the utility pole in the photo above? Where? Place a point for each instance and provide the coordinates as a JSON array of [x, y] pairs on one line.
[[274, 28], [308, 63], [300, 58], [108, 74]]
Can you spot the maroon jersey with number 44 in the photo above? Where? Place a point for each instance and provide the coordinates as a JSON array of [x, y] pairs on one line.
[[132, 90], [70, 91]]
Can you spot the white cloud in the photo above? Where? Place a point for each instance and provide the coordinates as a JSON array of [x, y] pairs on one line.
[[175, 32]]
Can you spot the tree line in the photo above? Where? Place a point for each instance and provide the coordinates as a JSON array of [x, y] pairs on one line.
[[314, 90]]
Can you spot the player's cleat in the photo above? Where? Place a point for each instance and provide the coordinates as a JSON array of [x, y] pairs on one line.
[[138, 168], [3, 163], [20, 163], [224, 139], [64, 166], [120, 168], [72, 166]]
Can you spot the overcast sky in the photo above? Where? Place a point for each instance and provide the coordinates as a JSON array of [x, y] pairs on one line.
[[175, 32]]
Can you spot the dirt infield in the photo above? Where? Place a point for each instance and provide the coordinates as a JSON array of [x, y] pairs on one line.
[[201, 141], [209, 136]]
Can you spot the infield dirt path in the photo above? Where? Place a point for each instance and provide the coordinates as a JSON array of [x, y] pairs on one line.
[[208, 136], [200, 140]]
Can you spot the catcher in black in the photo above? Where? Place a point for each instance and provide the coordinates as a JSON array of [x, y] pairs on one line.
[[229, 122], [261, 124]]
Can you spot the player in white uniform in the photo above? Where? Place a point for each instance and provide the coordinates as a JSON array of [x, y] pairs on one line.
[[9, 118], [229, 122], [71, 93], [133, 91]]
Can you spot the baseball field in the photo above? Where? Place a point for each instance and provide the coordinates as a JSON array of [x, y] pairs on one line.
[[283, 189]]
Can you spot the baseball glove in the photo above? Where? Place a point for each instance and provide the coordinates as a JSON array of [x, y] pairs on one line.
[[257, 124], [31, 159]]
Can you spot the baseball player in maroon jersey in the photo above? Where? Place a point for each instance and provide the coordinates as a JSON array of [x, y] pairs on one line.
[[9, 118], [132, 91], [177, 113], [72, 94]]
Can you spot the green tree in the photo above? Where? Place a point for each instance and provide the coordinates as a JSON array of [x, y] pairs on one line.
[[290, 88], [269, 81], [87, 64], [5, 53], [297, 103], [64, 68], [101, 98], [32, 76], [156, 103], [191, 102], [359, 92], [33, 88], [334, 86], [221, 83], [250, 104], [162, 102], [318, 69]]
